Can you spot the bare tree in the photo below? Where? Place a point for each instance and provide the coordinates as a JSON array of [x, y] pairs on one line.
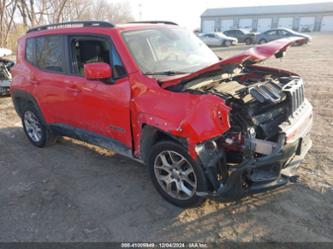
[[7, 12], [70, 10], [119, 12], [75, 10], [58, 7], [16, 16], [33, 11]]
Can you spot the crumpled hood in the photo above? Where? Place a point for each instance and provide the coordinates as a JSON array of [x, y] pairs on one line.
[[253, 55], [262, 52]]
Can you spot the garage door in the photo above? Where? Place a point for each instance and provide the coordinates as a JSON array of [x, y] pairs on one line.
[[264, 24], [285, 22], [227, 24], [208, 26], [306, 24], [327, 24], [245, 23]]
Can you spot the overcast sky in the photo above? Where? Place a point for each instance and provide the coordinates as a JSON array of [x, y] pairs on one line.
[[187, 12]]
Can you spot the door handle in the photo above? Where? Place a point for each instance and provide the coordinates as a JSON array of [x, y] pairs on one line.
[[34, 82], [74, 89]]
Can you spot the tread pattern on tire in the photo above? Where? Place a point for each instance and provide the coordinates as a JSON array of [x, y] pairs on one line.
[[48, 137], [202, 181]]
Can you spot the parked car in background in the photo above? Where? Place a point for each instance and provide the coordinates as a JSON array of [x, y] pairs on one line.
[[242, 35], [5, 71], [218, 39], [274, 34]]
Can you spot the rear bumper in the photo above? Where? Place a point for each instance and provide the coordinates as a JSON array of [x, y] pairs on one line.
[[270, 171]]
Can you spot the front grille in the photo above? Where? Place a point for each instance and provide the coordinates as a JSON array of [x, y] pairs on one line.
[[295, 94], [267, 92]]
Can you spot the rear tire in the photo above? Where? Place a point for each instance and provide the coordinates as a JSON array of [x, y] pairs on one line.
[[175, 175], [35, 128]]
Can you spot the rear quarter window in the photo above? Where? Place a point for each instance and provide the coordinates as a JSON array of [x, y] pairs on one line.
[[29, 50]]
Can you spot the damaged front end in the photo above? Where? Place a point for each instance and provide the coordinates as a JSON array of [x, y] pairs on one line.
[[268, 116], [270, 121], [5, 72], [269, 136]]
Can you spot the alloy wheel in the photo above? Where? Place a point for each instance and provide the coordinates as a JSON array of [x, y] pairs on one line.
[[227, 43], [175, 175], [32, 126]]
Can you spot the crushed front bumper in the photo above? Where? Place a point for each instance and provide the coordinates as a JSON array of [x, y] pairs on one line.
[[4, 87], [4, 91], [270, 171]]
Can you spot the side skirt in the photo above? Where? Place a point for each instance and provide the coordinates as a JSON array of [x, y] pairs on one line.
[[93, 138]]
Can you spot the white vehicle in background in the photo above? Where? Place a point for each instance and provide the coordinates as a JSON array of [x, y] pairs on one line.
[[218, 39], [5, 71]]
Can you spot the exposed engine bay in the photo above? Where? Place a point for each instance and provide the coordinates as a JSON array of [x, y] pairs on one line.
[[260, 101]]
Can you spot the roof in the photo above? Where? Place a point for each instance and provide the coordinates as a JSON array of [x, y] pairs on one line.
[[272, 9], [72, 24], [96, 24]]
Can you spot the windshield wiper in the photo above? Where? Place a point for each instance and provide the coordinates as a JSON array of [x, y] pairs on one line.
[[168, 73]]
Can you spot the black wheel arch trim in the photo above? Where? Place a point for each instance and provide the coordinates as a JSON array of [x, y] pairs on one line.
[[150, 135], [25, 96]]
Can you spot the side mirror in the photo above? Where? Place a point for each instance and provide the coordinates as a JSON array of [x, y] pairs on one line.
[[97, 71], [280, 54]]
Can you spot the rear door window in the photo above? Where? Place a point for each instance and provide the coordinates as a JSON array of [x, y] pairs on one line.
[[271, 32], [50, 53], [238, 33], [283, 32]]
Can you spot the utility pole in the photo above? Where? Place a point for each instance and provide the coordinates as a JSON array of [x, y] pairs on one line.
[[140, 11]]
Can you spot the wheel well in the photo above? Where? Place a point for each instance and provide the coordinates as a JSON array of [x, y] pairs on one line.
[[151, 136], [19, 103], [21, 99]]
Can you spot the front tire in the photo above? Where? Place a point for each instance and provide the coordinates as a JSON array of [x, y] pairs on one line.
[[175, 175], [227, 43], [35, 129], [248, 41]]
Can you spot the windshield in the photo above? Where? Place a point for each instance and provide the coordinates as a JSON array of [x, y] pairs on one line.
[[165, 49]]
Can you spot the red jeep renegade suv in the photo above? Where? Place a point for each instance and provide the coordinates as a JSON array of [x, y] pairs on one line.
[[206, 127]]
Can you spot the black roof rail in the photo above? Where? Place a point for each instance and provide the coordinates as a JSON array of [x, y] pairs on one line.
[[156, 22], [74, 23]]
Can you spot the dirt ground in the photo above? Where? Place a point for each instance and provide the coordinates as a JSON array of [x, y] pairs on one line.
[[76, 192]]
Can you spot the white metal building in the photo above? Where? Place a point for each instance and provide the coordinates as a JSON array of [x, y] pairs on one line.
[[300, 17]]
